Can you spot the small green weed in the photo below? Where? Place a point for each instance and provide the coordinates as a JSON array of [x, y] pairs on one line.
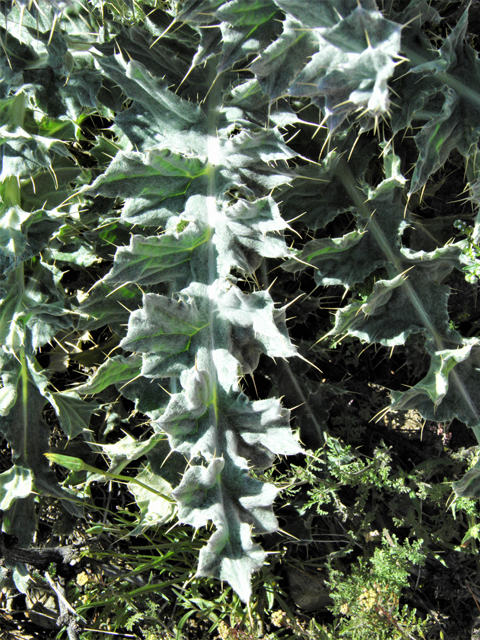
[[367, 598], [471, 252]]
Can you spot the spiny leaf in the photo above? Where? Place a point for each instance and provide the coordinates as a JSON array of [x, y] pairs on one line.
[[409, 303], [451, 387], [234, 502]]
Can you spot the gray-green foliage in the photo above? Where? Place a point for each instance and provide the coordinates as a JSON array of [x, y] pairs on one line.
[[195, 191]]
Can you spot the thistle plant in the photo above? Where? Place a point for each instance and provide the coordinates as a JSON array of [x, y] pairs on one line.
[[151, 179]]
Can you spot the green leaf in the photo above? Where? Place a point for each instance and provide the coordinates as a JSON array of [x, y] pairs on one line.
[[454, 108], [116, 370], [437, 139], [49, 188], [127, 450], [20, 520], [244, 234], [469, 485], [162, 326], [158, 117], [247, 28], [104, 307], [323, 14], [73, 413], [14, 484], [165, 327], [22, 578], [158, 258], [197, 417], [248, 232], [158, 172], [154, 509], [225, 495], [39, 306], [352, 258], [61, 82], [10, 372], [451, 387], [12, 241], [412, 302], [317, 195], [343, 67], [28, 436], [21, 54], [24, 154], [278, 66]]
